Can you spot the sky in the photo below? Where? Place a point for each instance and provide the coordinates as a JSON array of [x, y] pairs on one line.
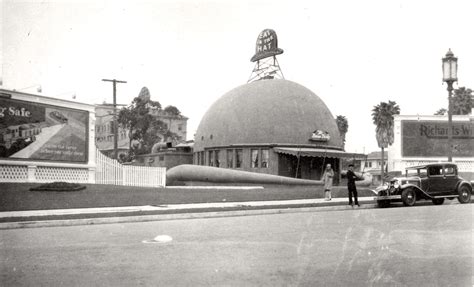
[[352, 54]]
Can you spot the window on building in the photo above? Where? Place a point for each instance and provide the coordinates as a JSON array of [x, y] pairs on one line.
[[369, 164], [230, 158], [238, 158], [180, 127], [161, 158], [198, 158], [254, 158], [265, 158], [203, 158], [211, 158], [217, 162]]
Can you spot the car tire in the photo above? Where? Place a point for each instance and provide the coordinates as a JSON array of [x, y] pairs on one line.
[[408, 197], [383, 203], [464, 194], [438, 201]]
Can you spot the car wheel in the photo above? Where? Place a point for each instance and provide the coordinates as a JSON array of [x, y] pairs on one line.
[[438, 201], [383, 203], [464, 194], [409, 197]]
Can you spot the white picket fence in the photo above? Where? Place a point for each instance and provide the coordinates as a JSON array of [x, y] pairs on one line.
[[110, 171]]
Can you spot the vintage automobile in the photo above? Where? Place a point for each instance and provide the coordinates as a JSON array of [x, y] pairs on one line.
[[58, 116], [435, 182]]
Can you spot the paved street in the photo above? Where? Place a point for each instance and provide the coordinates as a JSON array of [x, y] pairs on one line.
[[417, 246]]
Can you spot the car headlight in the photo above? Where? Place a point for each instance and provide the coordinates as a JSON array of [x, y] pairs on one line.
[[394, 184]]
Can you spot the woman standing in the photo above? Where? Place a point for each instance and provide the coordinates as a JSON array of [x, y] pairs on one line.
[[327, 180]]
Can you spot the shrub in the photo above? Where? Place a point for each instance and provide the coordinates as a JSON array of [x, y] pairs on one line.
[[59, 186]]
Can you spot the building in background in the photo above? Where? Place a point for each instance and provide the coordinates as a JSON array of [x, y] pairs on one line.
[[166, 155], [104, 132], [373, 165], [104, 127]]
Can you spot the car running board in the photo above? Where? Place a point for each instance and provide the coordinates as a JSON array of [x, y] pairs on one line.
[[445, 196]]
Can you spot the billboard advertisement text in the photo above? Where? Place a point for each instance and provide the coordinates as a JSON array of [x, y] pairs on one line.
[[430, 139], [38, 131]]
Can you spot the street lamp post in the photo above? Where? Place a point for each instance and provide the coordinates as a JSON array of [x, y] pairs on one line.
[[450, 69]]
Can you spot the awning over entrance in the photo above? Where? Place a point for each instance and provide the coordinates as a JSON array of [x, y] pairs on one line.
[[319, 152]]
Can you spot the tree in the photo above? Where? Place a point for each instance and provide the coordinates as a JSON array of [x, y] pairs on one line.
[[441, 112], [172, 110], [462, 102], [343, 127], [143, 127], [382, 117]]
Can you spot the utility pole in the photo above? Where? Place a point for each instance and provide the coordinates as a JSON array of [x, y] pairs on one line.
[[114, 81]]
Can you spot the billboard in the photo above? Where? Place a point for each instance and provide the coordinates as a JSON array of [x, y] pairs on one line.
[[430, 139], [35, 131]]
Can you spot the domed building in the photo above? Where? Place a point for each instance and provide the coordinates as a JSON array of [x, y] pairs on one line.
[[271, 126]]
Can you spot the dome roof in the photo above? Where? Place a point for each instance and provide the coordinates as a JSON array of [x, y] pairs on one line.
[[266, 112]]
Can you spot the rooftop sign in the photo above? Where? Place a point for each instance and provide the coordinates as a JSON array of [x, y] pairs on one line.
[[266, 46]]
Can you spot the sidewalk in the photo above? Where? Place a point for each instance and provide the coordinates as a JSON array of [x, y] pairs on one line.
[[81, 216]]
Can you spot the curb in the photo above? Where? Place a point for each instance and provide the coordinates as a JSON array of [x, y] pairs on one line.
[[176, 216]]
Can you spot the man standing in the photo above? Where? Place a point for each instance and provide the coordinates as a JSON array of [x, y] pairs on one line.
[[351, 186]]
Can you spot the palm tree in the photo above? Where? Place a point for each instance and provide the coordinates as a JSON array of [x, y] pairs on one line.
[[382, 117], [343, 127]]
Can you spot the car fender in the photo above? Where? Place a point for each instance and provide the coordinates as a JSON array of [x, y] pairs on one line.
[[420, 193], [463, 182], [379, 188], [374, 191]]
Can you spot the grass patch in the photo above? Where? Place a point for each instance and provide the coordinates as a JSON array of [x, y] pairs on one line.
[[18, 197]]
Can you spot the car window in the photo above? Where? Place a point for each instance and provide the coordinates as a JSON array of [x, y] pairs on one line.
[[422, 172], [411, 172], [449, 170], [435, 170]]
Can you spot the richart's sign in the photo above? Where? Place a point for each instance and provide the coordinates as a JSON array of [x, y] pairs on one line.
[[430, 139]]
